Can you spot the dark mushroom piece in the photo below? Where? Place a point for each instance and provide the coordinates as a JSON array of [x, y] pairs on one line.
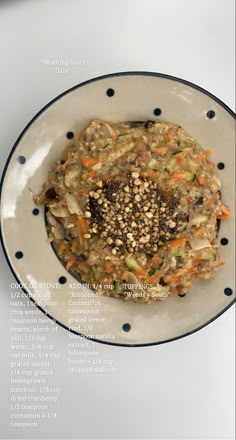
[[135, 124], [148, 123], [199, 201], [218, 222], [51, 194]]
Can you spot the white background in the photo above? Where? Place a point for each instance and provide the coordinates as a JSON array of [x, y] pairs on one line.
[[180, 390]]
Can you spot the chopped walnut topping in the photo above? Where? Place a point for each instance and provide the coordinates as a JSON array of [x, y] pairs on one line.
[[132, 214]]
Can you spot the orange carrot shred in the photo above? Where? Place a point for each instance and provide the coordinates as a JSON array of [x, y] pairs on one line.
[[161, 150], [199, 158], [82, 229], [178, 242], [88, 162], [201, 180], [218, 263], [167, 137], [140, 273], [223, 217], [180, 158], [86, 176], [107, 267], [172, 278], [153, 278], [178, 176], [70, 263]]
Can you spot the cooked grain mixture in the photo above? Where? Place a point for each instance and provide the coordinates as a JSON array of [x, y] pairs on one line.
[[132, 209]]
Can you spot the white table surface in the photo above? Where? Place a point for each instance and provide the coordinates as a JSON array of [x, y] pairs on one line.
[[179, 390]]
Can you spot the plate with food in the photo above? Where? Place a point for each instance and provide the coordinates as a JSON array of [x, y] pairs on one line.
[[117, 207]]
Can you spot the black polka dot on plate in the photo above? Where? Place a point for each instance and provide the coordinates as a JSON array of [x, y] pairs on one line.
[[211, 114], [224, 241], [35, 211], [126, 327], [70, 135], [220, 166], [228, 291], [181, 295], [157, 111], [19, 255], [110, 92], [62, 280], [21, 160]]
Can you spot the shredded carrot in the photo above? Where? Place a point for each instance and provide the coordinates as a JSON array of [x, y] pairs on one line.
[[225, 213], [178, 242], [167, 137], [223, 217], [193, 270], [212, 164], [199, 158], [154, 278], [172, 278], [107, 267], [86, 176], [195, 263], [82, 229], [161, 150], [178, 176], [198, 257], [180, 158], [140, 273], [70, 263], [149, 173], [200, 233], [155, 260], [218, 263], [82, 192], [225, 210], [88, 162], [207, 153], [123, 276], [63, 246], [201, 180]]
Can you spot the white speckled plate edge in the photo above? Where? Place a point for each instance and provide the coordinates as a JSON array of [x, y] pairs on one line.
[[136, 95]]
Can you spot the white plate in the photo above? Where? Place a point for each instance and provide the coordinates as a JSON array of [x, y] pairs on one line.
[[122, 96]]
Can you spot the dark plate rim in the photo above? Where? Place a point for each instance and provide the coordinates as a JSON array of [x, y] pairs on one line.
[[98, 78]]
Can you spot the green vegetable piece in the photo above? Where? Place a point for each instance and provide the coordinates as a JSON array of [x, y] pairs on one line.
[[117, 286], [131, 263], [177, 152], [190, 177], [170, 166], [123, 134], [93, 274]]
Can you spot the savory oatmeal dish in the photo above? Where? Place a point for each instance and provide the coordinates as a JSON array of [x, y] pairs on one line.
[[133, 209]]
